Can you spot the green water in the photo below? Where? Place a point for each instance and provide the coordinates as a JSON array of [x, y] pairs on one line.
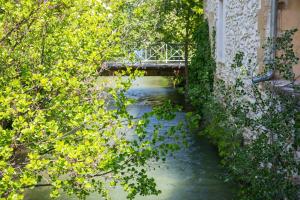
[[194, 174]]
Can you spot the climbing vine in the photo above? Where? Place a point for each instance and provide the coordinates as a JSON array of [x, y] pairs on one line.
[[202, 68], [255, 128]]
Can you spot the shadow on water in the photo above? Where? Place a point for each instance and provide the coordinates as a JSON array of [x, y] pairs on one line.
[[193, 174]]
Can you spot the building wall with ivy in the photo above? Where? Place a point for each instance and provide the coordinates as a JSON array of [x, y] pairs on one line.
[[246, 26], [255, 127]]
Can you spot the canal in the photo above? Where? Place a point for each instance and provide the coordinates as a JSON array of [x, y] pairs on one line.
[[193, 174]]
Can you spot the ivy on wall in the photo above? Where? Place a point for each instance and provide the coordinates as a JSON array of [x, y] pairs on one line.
[[256, 130], [201, 69]]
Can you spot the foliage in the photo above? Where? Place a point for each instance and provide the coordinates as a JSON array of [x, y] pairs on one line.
[[285, 57], [297, 128], [193, 120], [219, 132], [140, 27], [263, 164], [179, 19], [59, 126], [263, 161], [201, 69]]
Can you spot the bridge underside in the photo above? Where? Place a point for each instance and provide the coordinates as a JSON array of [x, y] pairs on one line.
[[151, 69]]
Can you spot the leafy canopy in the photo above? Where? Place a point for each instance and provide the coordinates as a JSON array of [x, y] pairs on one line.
[[59, 126]]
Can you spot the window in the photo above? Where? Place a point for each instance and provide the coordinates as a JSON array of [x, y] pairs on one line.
[[220, 28], [289, 18]]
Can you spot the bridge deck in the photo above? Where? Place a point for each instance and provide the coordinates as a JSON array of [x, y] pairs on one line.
[[151, 69], [143, 65]]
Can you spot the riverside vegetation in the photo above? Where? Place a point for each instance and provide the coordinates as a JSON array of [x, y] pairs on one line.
[[264, 165], [58, 126]]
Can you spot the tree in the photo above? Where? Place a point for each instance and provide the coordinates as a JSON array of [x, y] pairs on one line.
[[202, 69], [60, 126], [178, 21]]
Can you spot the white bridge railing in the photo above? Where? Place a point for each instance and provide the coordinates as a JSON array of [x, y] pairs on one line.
[[161, 53]]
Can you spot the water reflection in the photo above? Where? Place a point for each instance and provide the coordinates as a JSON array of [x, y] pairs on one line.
[[194, 173]]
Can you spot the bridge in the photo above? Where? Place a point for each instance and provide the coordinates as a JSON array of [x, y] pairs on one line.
[[156, 60]]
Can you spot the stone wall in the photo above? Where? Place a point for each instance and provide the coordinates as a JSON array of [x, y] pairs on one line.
[[246, 29]]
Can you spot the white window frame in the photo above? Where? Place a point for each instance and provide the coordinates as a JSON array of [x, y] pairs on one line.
[[220, 31]]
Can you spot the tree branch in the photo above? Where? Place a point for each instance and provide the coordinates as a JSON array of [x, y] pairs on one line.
[[19, 25], [38, 185]]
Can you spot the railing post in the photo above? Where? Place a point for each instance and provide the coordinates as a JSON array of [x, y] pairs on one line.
[[166, 53]]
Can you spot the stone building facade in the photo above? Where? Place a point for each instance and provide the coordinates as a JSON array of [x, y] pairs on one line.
[[245, 25]]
